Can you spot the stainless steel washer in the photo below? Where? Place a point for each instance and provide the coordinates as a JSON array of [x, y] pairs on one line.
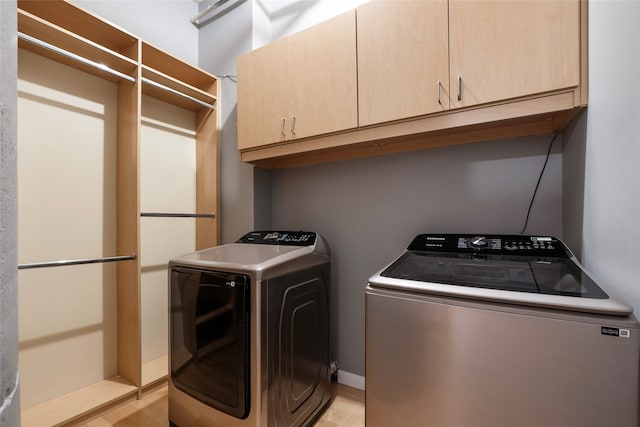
[[489, 331], [249, 332]]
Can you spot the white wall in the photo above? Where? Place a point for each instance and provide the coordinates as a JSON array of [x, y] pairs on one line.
[[609, 136], [221, 40], [163, 23], [291, 16]]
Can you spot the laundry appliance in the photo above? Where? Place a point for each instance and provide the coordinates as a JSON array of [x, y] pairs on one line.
[[249, 332], [497, 330]]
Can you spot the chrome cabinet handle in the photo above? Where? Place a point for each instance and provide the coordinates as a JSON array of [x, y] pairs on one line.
[[459, 88], [439, 102], [282, 134], [293, 125]]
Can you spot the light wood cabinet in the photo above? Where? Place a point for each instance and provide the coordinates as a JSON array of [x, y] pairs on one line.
[[495, 51], [263, 95], [63, 32], [300, 86], [403, 60], [519, 68], [508, 49]]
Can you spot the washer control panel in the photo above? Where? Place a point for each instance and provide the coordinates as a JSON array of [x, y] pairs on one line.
[[288, 238], [490, 244]]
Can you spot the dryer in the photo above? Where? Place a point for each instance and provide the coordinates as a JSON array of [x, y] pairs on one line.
[[249, 332]]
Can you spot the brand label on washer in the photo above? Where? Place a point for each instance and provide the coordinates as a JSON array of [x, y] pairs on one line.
[[615, 332]]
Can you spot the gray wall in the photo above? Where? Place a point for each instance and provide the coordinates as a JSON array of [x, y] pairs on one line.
[[603, 152], [9, 379], [369, 210]]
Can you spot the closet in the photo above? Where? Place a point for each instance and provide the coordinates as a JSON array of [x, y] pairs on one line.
[[117, 174]]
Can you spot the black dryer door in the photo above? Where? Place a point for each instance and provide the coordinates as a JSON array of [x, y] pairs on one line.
[[210, 338]]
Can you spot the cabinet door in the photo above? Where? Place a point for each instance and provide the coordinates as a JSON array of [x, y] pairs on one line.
[[506, 49], [263, 95], [323, 78], [402, 54]]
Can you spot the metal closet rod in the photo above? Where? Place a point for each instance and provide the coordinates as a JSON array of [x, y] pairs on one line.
[[176, 215], [75, 57], [177, 92], [63, 263]]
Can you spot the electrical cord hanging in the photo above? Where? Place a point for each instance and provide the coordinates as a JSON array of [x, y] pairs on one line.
[[526, 221]]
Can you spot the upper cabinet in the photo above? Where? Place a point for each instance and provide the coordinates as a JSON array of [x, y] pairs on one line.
[[508, 49], [403, 59], [300, 86], [263, 95], [429, 73]]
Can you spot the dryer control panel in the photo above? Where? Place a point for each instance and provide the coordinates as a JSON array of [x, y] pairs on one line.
[[272, 237]]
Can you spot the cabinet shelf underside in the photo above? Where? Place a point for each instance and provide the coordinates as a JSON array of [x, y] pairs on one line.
[[524, 117]]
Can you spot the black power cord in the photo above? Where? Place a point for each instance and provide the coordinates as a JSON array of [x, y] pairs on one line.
[[526, 221]]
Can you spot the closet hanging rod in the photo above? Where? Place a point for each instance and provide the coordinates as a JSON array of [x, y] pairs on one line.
[[75, 57], [177, 92], [176, 215], [62, 263]]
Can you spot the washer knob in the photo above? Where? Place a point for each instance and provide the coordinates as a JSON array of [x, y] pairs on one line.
[[479, 242]]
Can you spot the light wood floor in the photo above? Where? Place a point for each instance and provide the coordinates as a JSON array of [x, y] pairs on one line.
[[345, 410]]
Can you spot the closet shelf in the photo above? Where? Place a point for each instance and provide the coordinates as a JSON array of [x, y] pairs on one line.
[[77, 405], [162, 62], [83, 24], [162, 86], [47, 34], [155, 372]]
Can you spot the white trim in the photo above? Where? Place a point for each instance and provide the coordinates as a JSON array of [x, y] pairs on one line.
[[352, 380]]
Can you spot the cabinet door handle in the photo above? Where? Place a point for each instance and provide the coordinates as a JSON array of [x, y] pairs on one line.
[[459, 88], [282, 134], [439, 102], [293, 125]]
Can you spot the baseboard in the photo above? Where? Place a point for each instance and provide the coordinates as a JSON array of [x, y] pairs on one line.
[[351, 380]]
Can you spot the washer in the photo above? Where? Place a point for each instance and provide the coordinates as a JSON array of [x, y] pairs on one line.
[[249, 332], [497, 330]]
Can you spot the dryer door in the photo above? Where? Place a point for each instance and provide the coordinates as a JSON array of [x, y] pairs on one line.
[[210, 338]]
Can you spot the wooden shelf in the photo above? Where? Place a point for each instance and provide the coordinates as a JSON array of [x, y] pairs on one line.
[[156, 59], [49, 33], [178, 86], [83, 24], [78, 405], [155, 372]]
